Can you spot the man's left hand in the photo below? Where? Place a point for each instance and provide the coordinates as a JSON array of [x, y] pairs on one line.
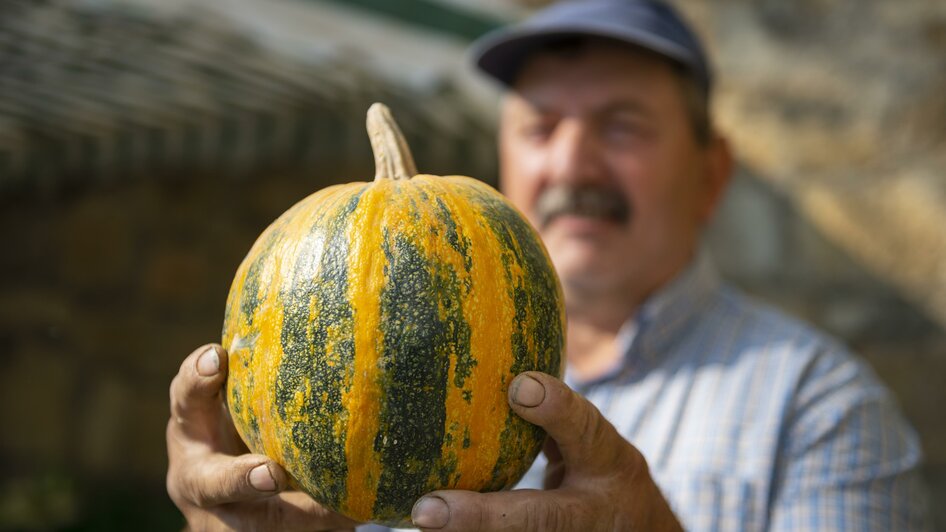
[[595, 480]]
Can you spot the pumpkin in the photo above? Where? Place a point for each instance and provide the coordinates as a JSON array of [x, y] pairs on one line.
[[373, 330]]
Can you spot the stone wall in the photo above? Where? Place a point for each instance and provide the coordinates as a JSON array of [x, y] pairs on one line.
[[841, 104]]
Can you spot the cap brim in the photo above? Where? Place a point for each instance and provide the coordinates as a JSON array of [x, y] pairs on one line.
[[502, 53]]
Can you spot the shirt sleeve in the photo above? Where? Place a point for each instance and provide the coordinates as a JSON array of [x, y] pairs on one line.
[[849, 461]]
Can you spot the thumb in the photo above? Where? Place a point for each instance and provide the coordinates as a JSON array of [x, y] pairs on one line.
[[588, 443], [196, 403]]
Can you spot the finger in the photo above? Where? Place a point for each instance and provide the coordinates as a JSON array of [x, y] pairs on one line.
[[295, 510], [210, 480], [196, 388], [586, 440], [555, 467], [526, 510]]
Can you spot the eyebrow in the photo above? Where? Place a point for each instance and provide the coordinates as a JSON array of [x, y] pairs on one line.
[[620, 106], [538, 107]]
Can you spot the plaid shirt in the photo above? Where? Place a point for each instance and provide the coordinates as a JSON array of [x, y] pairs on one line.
[[750, 420]]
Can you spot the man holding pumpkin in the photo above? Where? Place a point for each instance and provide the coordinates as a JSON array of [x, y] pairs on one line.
[[695, 406]]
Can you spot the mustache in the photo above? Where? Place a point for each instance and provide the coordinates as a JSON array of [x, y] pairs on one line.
[[592, 200]]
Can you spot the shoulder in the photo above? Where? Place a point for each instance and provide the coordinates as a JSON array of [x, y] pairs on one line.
[[757, 329], [814, 372], [830, 392], [755, 319]]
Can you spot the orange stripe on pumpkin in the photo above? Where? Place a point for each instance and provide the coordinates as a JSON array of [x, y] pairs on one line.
[[489, 312], [366, 262]]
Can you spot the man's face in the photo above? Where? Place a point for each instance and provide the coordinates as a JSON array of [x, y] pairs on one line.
[[598, 151]]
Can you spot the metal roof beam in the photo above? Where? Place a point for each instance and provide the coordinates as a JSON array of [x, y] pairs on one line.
[[429, 15]]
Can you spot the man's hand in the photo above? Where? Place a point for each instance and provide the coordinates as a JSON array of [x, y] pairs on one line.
[[595, 479], [215, 485]]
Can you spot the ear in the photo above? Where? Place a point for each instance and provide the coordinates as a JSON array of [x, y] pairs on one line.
[[718, 171]]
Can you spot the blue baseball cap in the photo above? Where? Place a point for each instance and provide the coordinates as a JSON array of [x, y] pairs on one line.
[[649, 24]]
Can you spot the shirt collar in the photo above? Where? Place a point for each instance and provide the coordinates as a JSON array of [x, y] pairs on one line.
[[663, 317]]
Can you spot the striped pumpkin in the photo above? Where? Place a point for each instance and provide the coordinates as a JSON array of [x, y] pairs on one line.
[[373, 330]]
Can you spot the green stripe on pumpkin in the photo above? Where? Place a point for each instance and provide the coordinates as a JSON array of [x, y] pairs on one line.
[[318, 317], [535, 344], [415, 316]]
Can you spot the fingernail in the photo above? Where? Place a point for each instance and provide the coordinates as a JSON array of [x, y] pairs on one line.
[[527, 391], [209, 363], [430, 512], [262, 479]]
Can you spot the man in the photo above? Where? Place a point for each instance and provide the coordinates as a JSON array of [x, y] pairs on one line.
[[701, 408]]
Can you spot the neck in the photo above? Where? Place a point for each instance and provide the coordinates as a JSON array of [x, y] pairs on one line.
[[593, 326], [595, 317], [596, 314]]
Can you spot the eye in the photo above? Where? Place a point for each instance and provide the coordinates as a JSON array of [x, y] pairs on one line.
[[622, 129]]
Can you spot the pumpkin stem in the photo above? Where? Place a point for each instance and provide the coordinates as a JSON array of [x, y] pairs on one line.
[[392, 157]]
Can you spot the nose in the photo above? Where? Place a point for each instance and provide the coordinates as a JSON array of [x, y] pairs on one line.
[[575, 157]]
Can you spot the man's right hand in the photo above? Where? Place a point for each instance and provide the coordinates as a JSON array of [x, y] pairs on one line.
[[211, 479]]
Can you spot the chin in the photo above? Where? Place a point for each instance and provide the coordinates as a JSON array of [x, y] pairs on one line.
[[584, 289], [583, 273], [570, 253]]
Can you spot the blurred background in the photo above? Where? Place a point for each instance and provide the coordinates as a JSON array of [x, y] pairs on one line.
[[144, 145]]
